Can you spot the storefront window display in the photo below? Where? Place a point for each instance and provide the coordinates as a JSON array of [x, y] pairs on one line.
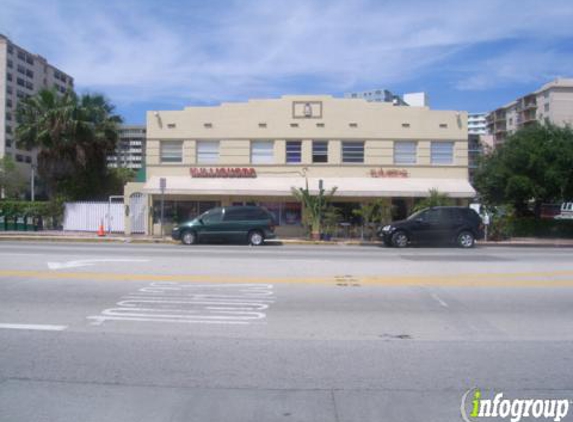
[[179, 211], [285, 213]]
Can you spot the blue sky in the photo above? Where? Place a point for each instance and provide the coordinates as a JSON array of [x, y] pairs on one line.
[[148, 55]]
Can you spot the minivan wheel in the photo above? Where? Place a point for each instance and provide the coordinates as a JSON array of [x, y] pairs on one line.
[[255, 238], [400, 239], [466, 240], [188, 238]]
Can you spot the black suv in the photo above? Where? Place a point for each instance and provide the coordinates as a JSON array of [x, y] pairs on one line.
[[458, 225], [237, 223]]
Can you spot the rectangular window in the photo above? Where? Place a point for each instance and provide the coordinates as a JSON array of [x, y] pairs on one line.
[[9, 76], [352, 152], [442, 152], [262, 152], [9, 63], [20, 82], [171, 151], [319, 151], [405, 152], [546, 107], [293, 152], [207, 152]]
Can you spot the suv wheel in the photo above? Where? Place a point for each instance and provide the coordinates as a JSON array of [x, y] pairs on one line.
[[188, 237], [465, 240], [255, 238], [400, 239]]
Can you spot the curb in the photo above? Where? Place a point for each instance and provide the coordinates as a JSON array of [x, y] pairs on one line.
[[275, 242]]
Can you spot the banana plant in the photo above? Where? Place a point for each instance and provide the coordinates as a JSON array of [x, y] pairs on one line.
[[314, 206]]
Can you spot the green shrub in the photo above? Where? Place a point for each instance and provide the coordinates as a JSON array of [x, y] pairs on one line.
[[531, 227], [52, 209]]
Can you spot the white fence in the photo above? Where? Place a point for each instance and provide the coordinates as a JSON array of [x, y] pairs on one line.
[[87, 216]]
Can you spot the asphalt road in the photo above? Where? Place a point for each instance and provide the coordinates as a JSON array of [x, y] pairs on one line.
[[108, 332]]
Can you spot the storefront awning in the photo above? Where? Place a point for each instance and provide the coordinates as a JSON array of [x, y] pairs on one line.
[[281, 186]]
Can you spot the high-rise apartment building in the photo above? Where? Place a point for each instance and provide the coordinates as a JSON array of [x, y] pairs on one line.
[[477, 123], [130, 148], [378, 96], [22, 74], [553, 103]]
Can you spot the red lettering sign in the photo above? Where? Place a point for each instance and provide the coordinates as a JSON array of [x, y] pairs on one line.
[[223, 172], [391, 173]]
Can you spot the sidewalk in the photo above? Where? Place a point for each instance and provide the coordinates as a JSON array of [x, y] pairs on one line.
[[60, 236]]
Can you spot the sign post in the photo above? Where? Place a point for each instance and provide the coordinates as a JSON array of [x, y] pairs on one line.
[[320, 187], [162, 187]]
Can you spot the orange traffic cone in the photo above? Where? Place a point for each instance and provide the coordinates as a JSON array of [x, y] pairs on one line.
[[100, 231]]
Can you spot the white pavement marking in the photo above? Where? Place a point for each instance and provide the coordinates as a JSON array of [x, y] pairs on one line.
[[439, 300], [89, 262], [192, 303], [41, 327]]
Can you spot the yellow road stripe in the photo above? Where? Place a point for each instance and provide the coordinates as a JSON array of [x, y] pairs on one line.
[[519, 279]]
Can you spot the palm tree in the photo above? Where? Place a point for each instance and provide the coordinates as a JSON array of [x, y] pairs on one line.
[[73, 136], [314, 206]]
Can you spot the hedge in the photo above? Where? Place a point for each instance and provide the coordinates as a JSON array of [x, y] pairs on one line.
[[531, 227], [35, 209]]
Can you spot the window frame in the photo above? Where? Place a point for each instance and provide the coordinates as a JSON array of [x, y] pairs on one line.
[[347, 144], [214, 159], [267, 159], [296, 153], [397, 153], [435, 154], [316, 153], [170, 160]]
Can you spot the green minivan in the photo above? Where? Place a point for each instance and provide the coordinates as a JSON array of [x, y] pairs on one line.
[[249, 224]]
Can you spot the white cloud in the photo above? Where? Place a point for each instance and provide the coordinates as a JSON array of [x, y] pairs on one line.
[[517, 66], [137, 51]]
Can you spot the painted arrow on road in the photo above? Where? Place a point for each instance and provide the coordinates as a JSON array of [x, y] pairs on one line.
[[88, 263]]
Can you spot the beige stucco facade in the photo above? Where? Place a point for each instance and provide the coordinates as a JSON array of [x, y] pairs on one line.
[[375, 129], [553, 103]]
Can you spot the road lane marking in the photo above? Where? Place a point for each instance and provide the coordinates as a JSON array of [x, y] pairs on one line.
[[192, 303], [439, 300], [41, 327], [515, 279], [89, 262]]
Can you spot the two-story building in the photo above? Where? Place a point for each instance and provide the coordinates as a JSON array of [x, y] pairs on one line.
[[256, 152]]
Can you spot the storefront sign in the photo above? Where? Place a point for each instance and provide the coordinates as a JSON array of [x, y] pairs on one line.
[[396, 173], [223, 172]]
